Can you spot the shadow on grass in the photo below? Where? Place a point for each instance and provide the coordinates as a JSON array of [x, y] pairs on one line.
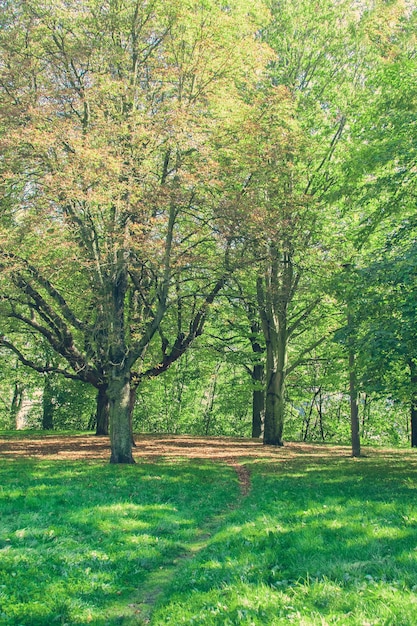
[[77, 540], [314, 543], [317, 541]]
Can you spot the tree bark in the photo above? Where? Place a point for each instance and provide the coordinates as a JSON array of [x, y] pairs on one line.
[[273, 301], [258, 377], [274, 409], [119, 413], [276, 353], [413, 403], [102, 411], [354, 413], [16, 404], [258, 401]]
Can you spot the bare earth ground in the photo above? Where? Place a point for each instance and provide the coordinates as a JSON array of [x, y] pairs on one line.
[[153, 447], [232, 451]]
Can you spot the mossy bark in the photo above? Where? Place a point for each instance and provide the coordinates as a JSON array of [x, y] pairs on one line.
[[119, 413]]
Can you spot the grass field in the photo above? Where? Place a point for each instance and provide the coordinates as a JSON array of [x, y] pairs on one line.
[[314, 540]]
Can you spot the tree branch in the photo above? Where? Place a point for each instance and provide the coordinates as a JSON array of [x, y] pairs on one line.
[[43, 369]]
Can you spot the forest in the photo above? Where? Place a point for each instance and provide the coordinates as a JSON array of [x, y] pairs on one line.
[[207, 219]]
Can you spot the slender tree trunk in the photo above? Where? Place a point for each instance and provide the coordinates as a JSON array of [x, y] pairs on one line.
[[413, 403], [211, 394], [413, 423], [320, 414], [119, 413], [258, 376], [102, 411], [307, 420], [16, 404], [47, 406], [354, 412], [258, 401]]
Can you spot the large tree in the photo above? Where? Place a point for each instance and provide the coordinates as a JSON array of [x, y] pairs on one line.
[[323, 54], [296, 124], [114, 114]]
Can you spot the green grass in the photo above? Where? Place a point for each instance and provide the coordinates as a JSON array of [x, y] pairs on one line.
[[78, 540], [315, 542]]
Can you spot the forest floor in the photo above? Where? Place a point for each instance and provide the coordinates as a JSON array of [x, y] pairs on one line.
[[154, 447]]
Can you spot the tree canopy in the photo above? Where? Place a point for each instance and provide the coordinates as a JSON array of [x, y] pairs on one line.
[[159, 157]]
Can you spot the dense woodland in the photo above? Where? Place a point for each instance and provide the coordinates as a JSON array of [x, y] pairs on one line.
[[207, 218]]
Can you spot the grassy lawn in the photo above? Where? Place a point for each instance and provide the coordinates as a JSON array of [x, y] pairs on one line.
[[316, 541]]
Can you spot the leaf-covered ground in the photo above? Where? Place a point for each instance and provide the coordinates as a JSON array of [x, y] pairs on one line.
[[152, 447]]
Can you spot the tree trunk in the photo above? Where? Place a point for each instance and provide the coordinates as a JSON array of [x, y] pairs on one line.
[[102, 411], [274, 294], [275, 386], [274, 409], [47, 406], [354, 413], [413, 403], [258, 401], [119, 414], [413, 423], [16, 404], [210, 396]]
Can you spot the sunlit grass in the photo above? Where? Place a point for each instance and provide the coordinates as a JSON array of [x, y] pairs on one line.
[[315, 542], [78, 540]]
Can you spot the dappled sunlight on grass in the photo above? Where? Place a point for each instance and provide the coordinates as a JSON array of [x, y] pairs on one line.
[[319, 539], [313, 544], [76, 541]]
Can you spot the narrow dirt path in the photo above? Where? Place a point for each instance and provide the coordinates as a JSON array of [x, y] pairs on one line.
[[152, 448], [243, 476], [144, 602]]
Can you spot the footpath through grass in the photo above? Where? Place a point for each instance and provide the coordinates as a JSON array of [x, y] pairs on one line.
[[316, 541]]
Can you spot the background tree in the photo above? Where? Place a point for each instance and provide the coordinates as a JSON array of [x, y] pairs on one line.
[[379, 186], [286, 174]]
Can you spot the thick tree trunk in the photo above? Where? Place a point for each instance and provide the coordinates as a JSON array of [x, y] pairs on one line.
[[258, 401], [275, 387], [102, 411], [274, 409], [120, 425], [273, 301]]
